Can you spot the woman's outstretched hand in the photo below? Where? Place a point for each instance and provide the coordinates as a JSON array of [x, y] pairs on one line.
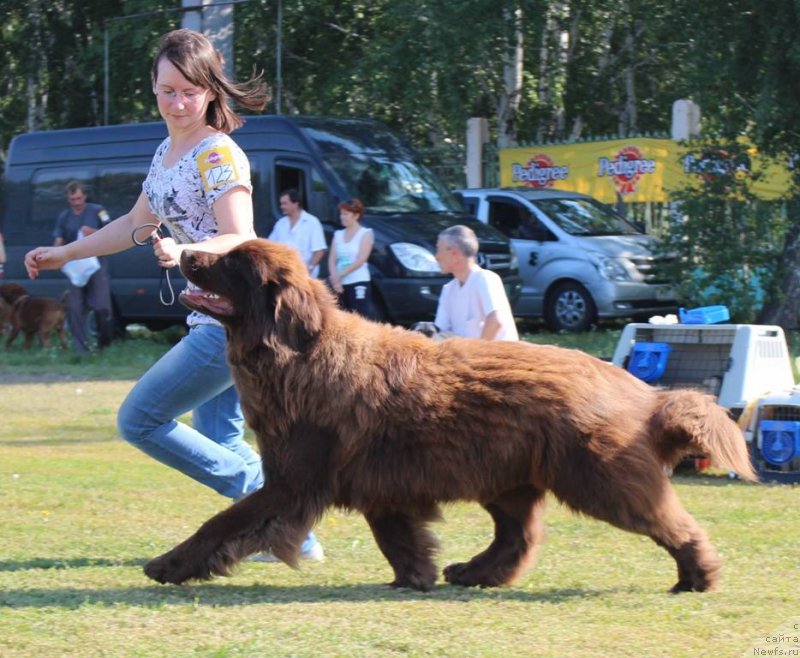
[[44, 258]]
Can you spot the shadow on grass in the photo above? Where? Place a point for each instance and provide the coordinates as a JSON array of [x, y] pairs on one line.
[[44, 563], [30, 443], [216, 595]]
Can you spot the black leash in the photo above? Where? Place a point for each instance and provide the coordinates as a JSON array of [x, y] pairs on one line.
[[164, 271]]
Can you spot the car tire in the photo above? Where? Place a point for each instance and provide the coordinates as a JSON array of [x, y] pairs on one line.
[[570, 308]]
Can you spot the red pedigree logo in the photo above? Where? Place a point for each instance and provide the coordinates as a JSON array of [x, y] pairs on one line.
[[540, 172], [626, 169]]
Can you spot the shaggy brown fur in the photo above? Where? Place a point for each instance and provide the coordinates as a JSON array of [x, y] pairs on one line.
[[5, 316], [384, 421], [10, 292], [34, 316]]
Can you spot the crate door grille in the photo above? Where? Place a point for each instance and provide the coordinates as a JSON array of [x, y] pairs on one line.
[[779, 412]]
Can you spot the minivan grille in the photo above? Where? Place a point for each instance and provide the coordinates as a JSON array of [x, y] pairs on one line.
[[653, 270]]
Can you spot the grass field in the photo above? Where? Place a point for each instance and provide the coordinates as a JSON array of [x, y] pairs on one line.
[[81, 511]]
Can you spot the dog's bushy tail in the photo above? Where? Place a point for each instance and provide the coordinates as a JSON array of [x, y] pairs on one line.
[[688, 422]]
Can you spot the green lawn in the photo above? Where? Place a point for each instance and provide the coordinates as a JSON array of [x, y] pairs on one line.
[[81, 511]]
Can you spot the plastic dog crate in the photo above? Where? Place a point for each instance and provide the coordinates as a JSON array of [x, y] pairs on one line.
[[738, 363], [773, 433]]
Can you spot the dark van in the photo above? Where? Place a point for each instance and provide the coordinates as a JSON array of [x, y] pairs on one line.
[[328, 160]]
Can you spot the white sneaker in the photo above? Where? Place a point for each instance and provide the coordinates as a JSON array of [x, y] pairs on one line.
[[313, 553]]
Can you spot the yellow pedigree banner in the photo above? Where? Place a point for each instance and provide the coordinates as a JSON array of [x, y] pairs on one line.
[[639, 169]]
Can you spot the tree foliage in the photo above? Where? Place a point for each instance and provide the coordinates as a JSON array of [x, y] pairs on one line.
[[537, 69], [726, 243], [586, 66]]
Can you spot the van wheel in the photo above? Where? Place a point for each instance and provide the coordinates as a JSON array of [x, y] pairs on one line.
[[569, 307]]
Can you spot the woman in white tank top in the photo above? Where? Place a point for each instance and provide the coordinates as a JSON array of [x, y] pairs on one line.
[[347, 260]]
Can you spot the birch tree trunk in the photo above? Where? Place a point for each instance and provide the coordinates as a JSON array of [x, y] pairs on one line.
[[628, 121], [37, 72], [511, 94]]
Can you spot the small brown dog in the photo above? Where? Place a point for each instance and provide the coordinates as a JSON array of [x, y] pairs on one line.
[[34, 316]]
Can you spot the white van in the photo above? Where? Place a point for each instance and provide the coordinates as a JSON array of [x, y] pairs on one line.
[[579, 260]]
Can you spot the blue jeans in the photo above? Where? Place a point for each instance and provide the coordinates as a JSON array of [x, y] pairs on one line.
[[194, 376]]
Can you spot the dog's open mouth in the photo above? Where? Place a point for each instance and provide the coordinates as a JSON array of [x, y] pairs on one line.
[[206, 302]]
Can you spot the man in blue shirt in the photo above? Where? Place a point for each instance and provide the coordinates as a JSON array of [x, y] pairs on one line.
[[79, 220]]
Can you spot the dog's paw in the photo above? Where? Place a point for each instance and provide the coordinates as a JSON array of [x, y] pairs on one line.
[[455, 574], [685, 586], [171, 568], [466, 574], [419, 583], [423, 579]]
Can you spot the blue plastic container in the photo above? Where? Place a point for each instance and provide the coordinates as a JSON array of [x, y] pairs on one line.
[[704, 315], [648, 361], [780, 440]]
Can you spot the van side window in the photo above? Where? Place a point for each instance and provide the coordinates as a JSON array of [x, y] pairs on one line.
[[322, 202], [119, 186], [49, 196], [317, 199], [516, 221], [287, 178], [261, 215]]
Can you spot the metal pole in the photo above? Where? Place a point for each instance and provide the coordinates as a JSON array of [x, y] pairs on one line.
[[278, 65], [105, 75]]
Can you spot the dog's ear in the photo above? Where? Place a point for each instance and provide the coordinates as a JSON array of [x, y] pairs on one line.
[[258, 321], [286, 308], [298, 315]]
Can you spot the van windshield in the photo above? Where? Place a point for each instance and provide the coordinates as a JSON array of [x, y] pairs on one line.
[[391, 185], [585, 217]]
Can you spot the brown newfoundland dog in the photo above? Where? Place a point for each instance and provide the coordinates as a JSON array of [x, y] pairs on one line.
[[368, 417]]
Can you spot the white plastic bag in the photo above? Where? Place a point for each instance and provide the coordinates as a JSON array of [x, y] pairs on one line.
[[80, 271]]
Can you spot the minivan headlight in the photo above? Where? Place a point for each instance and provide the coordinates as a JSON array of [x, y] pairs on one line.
[[414, 257], [613, 268]]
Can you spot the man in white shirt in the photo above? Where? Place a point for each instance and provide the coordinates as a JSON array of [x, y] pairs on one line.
[[474, 304], [301, 230]]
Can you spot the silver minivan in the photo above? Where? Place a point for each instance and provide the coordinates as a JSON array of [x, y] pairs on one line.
[[579, 260]]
